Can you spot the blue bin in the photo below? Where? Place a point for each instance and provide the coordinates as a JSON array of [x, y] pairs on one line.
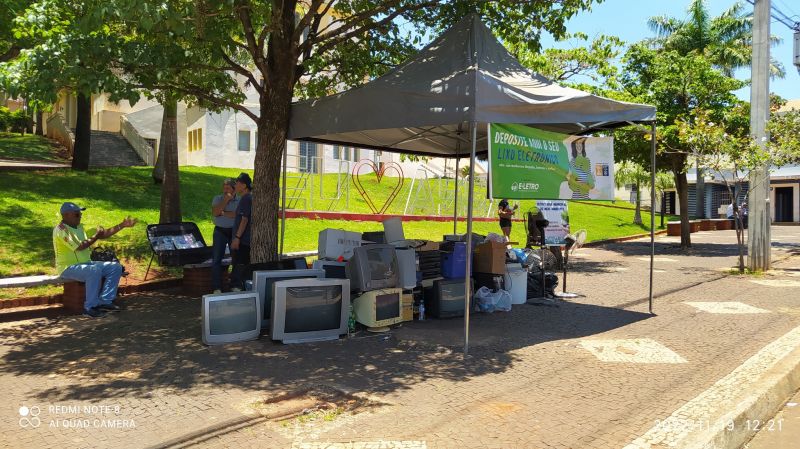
[[454, 264]]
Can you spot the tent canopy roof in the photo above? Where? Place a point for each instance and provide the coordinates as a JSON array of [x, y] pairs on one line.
[[425, 106]]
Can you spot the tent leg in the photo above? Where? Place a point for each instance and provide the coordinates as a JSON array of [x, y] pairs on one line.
[[468, 275], [283, 198], [652, 215], [455, 200]]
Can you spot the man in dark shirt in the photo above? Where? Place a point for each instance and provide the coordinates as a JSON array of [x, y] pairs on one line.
[[240, 246]]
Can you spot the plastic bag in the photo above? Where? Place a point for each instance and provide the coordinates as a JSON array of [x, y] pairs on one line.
[[489, 301], [495, 237]]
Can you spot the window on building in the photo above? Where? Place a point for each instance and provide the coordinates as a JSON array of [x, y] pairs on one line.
[[376, 156], [337, 152], [308, 157], [356, 154], [195, 139], [244, 140]]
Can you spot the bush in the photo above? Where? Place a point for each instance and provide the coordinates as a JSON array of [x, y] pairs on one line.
[[19, 121], [5, 119]]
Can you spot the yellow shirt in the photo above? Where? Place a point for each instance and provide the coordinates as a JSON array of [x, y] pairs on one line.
[[66, 241]]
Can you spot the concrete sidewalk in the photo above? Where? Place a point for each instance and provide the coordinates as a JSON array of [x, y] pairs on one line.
[[596, 372]]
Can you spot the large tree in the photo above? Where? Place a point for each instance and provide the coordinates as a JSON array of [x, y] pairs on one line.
[[287, 49], [677, 85]]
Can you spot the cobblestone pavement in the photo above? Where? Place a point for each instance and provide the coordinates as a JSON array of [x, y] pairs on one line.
[[595, 372]]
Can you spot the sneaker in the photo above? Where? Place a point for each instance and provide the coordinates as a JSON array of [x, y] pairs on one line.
[[94, 313], [217, 291], [110, 307]]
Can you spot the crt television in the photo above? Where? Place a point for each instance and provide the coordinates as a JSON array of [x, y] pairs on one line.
[[379, 308], [373, 267], [263, 282], [305, 310], [445, 298], [230, 317], [333, 268]]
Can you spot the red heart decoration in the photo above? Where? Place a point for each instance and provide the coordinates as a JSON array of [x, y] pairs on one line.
[[379, 172]]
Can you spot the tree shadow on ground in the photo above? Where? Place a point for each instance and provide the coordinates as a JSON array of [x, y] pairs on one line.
[[156, 344]]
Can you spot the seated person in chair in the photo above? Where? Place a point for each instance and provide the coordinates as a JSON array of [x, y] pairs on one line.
[[72, 249]]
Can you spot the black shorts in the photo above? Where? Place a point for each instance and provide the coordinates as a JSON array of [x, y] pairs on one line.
[[505, 222]]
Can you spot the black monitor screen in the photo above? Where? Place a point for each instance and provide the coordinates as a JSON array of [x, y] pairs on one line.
[[381, 262], [310, 309], [335, 271], [387, 306], [231, 316], [451, 295]]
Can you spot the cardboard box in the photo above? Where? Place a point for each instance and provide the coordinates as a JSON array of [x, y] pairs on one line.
[[428, 246], [335, 243], [407, 302], [490, 257]]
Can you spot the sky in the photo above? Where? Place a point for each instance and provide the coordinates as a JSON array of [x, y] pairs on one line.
[[627, 19]]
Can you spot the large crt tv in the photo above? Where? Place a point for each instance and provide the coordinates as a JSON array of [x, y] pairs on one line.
[[305, 310], [379, 308], [230, 317], [445, 299], [264, 280], [373, 267]]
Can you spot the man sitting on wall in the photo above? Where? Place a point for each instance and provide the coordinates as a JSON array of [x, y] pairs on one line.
[[73, 260]]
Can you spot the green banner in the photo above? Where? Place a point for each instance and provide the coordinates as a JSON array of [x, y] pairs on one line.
[[528, 163]]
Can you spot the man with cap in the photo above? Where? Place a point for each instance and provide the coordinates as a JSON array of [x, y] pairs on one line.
[[72, 249], [240, 245], [223, 209]]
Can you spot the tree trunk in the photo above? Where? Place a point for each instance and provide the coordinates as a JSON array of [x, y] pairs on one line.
[[39, 122], [29, 117], [663, 206], [637, 216], [168, 147], [83, 133], [683, 199]]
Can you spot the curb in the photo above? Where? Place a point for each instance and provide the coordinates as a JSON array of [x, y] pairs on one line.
[[621, 239]]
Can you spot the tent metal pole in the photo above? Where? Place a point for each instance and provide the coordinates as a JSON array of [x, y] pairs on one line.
[[468, 272], [283, 197], [455, 198], [652, 209]]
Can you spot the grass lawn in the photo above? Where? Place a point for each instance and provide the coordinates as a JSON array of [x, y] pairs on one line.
[[29, 210], [30, 148]]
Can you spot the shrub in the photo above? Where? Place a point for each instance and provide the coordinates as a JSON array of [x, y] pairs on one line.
[[19, 121], [5, 119]]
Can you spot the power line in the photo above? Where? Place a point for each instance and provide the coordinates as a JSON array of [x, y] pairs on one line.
[[781, 17]]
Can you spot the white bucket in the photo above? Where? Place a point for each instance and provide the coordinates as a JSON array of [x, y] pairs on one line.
[[393, 230], [516, 280]]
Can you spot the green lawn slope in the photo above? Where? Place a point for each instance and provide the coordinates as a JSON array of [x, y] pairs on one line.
[[30, 202]]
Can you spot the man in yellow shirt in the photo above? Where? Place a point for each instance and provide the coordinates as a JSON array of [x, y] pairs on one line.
[[73, 259]]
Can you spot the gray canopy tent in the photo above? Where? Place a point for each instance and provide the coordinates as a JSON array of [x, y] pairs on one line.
[[440, 102]]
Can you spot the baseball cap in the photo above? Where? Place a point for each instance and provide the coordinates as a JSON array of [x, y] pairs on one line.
[[244, 178], [70, 207]]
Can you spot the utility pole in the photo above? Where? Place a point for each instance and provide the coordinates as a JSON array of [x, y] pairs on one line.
[[758, 232]]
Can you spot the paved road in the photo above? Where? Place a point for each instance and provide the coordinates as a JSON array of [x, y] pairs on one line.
[[596, 372]]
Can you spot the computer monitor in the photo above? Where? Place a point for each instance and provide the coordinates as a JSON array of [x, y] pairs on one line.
[[407, 268], [379, 308], [230, 317], [305, 310], [333, 268], [263, 282], [445, 299], [373, 267]]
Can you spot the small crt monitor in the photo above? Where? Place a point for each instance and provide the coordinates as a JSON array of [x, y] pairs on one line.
[[373, 267], [308, 309], [230, 317], [379, 308], [333, 268], [445, 299], [263, 282]]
